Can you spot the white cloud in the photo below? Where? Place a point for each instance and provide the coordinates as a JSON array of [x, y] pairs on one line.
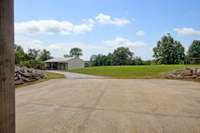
[[140, 33], [52, 27], [119, 42], [187, 32], [140, 48], [33, 27], [28, 43], [106, 19]]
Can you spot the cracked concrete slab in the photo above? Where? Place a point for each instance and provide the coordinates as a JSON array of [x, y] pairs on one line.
[[109, 106]]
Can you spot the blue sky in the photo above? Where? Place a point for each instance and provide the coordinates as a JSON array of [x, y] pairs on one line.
[[100, 26]]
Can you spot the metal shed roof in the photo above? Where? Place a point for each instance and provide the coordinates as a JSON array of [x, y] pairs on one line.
[[61, 59]]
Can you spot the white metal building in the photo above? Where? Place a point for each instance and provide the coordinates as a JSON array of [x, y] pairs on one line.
[[64, 63]]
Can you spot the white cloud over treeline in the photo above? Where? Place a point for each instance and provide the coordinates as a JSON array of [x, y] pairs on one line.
[[66, 27], [102, 47], [187, 31], [106, 19]]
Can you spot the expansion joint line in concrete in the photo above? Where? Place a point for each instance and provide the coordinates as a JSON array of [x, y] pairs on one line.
[[82, 126]]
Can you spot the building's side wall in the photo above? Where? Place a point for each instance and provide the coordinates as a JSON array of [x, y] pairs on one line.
[[76, 63]]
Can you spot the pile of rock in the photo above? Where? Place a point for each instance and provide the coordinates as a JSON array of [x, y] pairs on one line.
[[188, 73], [23, 75]]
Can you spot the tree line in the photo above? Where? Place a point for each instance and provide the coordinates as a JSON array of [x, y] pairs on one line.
[[170, 51], [120, 56], [33, 58], [167, 51]]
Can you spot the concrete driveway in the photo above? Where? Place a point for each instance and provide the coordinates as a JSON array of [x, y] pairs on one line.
[[109, 106], [70, 75]]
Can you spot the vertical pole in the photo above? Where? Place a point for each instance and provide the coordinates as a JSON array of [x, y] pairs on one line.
[[7, 90]]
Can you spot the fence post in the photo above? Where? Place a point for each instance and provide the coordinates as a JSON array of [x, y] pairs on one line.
[[7, 90]]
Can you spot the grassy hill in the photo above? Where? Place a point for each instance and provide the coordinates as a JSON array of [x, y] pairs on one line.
[[147, 71]]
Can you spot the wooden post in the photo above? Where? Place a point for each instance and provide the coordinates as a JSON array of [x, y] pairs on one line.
[[7, 90]]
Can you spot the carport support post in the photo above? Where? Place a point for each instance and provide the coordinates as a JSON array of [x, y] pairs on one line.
[[7, 90]]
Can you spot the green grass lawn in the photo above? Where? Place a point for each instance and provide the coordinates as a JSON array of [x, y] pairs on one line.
[[145, 71], [49, 76]]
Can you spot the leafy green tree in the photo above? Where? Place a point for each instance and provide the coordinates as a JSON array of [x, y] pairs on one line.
[[36, 64], [93, 60], [45, 55], [109, 60], [169, 51], [97, 60], [32, 59], [18, 48], [147, 62], [137, 61], [101, 60], [67, 55], [20, 55], [194, 52], [76, 52], [33, 54], [179, 53], [122, 56]]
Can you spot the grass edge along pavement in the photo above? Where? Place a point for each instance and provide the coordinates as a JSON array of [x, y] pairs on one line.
[[49, 76], [132, 72]]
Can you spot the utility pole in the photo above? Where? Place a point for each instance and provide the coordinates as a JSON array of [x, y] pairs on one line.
[[7, 89]]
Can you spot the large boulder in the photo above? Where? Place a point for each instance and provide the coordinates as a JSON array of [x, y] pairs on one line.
[[198, 72], [23, 75], [188, 73]]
